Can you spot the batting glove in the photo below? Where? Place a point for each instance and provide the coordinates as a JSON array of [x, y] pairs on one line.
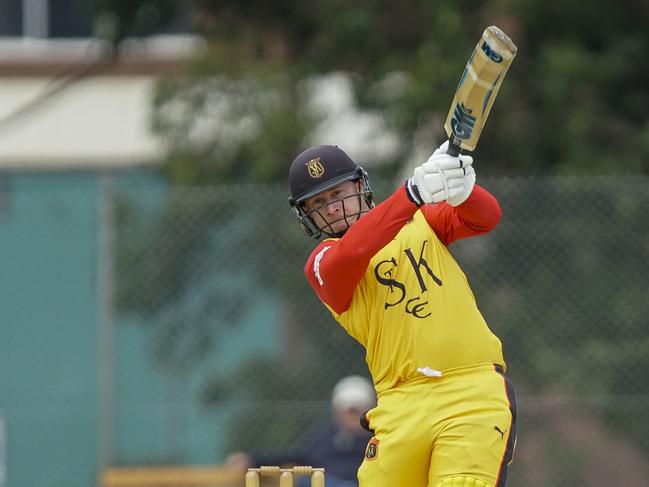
[[466, 188], [442, 178]]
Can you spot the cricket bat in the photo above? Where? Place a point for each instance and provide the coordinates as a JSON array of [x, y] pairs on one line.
[[477, 89]]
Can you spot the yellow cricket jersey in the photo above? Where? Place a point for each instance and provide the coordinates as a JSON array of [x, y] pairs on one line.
[[413, 308]]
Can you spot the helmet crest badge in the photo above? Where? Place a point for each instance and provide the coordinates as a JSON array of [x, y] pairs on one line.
[[315, 168]]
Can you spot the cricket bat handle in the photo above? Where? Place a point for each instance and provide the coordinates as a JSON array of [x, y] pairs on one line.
[[453, 147]]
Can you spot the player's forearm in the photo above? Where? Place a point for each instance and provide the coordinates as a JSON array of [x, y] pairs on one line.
[[335, 268], [479, 214]]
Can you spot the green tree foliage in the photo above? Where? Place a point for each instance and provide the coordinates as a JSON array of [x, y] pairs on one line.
[[575, 100]]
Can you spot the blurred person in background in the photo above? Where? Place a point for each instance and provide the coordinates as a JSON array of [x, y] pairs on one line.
[[446, 413], [337, 445]]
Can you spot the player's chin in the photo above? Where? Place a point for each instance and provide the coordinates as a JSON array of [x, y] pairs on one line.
[[343, 224], [338, 226]]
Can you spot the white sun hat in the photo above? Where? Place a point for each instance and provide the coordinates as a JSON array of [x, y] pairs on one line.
[[353, 391]]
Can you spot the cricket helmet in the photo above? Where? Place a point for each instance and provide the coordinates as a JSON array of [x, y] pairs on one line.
[[319, 169]]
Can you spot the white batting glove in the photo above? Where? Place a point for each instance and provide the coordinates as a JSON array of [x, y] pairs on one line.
[[466, 188], [442, 178]]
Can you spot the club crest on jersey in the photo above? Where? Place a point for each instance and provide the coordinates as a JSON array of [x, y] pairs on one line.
[[315, 168], [372, 450]]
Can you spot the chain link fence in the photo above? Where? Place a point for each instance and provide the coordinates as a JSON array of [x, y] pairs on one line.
[[217, 343], [562, 281]]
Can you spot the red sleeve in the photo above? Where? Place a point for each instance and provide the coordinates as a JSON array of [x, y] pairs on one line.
[[479, 214], [335, 267]]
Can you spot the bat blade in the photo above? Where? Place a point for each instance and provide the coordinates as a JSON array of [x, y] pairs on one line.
[[477, 89]]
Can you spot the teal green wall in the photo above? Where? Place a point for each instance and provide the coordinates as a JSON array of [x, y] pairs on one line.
[[48, 346], [48, 320]]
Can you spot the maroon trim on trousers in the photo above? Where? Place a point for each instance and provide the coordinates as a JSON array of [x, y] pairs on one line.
[[511, 438]]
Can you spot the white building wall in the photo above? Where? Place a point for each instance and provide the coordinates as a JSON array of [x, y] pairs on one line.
[[100, 119], [97, 121]]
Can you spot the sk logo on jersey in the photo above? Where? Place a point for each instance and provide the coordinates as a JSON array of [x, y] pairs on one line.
[[384, 275], [315, 168], [372, 450]]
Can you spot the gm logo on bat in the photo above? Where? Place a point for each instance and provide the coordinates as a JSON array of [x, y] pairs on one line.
[[490, 53], [462, 122]]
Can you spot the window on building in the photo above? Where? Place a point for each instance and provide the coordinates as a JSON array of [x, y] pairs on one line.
[[43, 19], [11, 18]]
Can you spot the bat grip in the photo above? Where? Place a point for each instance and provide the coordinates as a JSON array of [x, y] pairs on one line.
[[453, 147]]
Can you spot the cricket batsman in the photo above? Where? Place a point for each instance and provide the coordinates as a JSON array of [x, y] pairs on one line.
[[446, 413]]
